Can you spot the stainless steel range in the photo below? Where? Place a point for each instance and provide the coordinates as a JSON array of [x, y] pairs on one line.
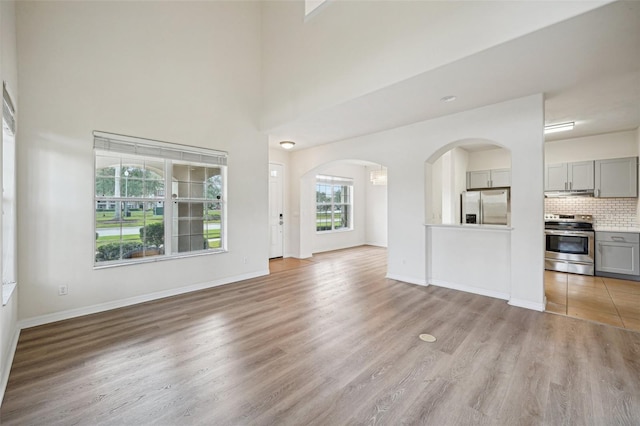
[[569, 243]]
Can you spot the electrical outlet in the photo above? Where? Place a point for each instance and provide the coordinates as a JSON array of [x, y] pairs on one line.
[[63, 290], [244, 260]]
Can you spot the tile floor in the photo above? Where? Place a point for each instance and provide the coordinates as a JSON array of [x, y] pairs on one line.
[[606, 300]]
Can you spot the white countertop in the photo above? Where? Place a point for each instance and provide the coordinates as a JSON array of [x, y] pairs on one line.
[[616, 229], [470, 226]]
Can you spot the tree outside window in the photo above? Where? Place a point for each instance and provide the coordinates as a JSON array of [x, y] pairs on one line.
[[333, 203]]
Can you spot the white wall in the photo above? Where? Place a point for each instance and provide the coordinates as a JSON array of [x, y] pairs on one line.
[[597, 147], [460, 165], [447, 180], [498, 158], [375, 211], [516, 125], [172, 71], [483, 260], [9, 73], [434, 185], [349, 48], [326, 241]]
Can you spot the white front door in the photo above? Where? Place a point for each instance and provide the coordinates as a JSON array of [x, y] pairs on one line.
[[276, 211]]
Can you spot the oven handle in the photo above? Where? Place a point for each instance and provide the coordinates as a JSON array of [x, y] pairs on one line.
[[569, 233]]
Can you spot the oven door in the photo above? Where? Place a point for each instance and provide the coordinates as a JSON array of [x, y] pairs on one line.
[[571, 246]]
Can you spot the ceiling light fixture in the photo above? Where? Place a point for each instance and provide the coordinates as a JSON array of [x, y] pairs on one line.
[[559, 127], [449, 98], [287, 144], [378, 177]]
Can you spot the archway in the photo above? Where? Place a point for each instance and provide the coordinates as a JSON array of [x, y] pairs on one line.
[[341, 206], [467, 164], [482, 260]]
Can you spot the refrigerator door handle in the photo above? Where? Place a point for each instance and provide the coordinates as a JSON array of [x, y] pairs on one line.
[[481, 213]]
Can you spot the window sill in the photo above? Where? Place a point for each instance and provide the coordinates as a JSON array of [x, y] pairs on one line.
[[7, 291], [153, 259], [334, 231]]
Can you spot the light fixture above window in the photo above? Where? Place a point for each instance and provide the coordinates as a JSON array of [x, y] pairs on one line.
[[287, 144], [559, 127], [378, 177]]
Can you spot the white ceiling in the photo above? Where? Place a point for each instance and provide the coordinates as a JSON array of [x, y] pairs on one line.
[[588, 67]]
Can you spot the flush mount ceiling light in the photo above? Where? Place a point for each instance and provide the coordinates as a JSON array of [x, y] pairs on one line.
[[559, 127], [449, 98], [287, 144]]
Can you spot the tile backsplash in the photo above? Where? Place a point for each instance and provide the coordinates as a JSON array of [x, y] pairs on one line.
[[607, 212]]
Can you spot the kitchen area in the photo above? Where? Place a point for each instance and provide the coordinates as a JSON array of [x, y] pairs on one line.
[[592, 229], [591, 216]]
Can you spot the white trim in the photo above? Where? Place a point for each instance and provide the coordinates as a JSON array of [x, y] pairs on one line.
[[8, 361], [7, 291], [470, 227], [410, 280], [132, 142], [310, 13], [521, 303], [88, 310], [376, 244], [471, 289]]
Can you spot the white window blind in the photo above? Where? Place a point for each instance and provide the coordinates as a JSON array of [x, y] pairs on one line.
[[9, 223], [333, 180], [150, 148], [8, 111]]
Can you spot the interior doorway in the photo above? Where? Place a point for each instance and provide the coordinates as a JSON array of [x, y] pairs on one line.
[[276, 211]]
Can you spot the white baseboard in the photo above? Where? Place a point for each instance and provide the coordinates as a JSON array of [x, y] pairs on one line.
[[471, 289], [8, 362], [405, 279], [520, 303], [376, 244], [93, 309]]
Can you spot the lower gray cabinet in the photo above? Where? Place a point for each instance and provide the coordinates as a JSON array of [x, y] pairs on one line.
[[618, 253]]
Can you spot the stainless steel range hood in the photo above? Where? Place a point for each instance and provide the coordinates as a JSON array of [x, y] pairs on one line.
[[562, 194]]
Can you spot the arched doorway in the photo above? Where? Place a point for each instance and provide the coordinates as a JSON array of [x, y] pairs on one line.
[[343, 204], [465, 165]]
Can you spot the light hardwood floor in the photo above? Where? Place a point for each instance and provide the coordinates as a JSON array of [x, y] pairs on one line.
[[606, 300], [327, 342]]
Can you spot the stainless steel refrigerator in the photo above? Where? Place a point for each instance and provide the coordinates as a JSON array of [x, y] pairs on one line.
[[488, 207]]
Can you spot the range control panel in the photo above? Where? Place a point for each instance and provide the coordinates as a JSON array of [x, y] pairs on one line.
[[568, 217]]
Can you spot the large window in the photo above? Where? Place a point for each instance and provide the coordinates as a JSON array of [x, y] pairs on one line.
[[156, 200], [334, 198]]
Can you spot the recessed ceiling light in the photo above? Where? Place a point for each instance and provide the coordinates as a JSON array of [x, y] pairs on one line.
[[559, 127], [449, 98]]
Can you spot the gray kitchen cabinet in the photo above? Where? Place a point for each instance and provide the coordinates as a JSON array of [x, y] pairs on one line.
[[577, 176], [495, 178], [555, 177], [617, 177], [500, 178], [618, 253]]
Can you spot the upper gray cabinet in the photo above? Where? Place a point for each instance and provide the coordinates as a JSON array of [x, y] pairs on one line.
[[617, 177], [496, 178], [578, 176]]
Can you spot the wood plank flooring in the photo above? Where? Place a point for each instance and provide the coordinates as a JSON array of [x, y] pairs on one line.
[[329, 343], [606, 300]]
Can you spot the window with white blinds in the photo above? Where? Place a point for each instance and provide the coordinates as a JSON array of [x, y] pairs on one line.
[[334, 200], [156, 200]]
